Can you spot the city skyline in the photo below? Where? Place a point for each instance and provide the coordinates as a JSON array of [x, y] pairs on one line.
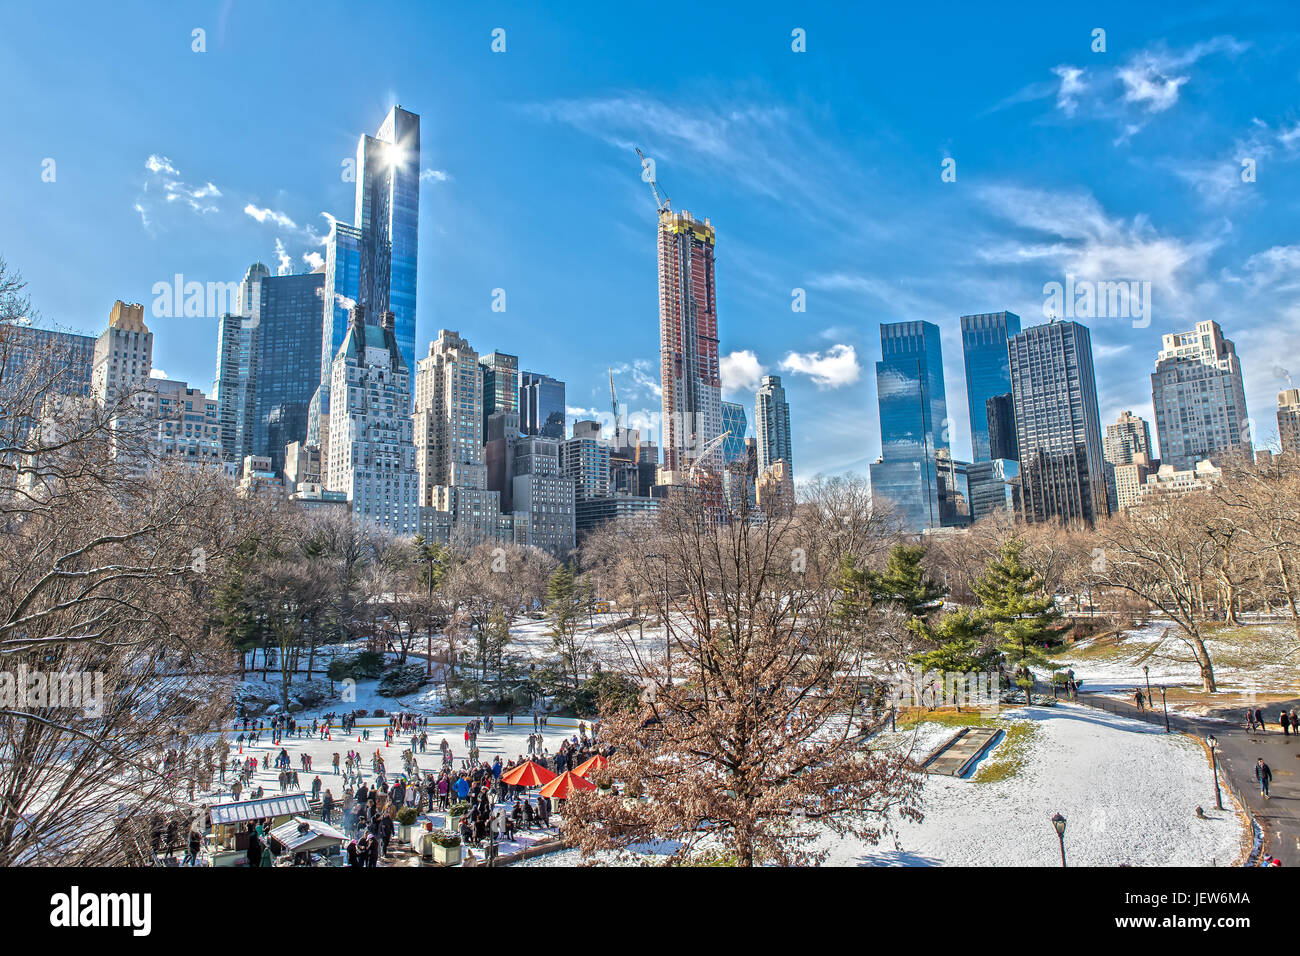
[[1171, 104]]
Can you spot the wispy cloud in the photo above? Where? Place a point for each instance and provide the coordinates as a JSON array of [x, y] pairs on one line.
[[270, 215]]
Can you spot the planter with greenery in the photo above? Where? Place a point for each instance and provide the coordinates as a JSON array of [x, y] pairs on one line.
[[406, 818], [446, 848]]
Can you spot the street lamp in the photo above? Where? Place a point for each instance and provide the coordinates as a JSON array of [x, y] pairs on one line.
[[1164, 702], [1146, 670], [1058, 821], [1214, 761]]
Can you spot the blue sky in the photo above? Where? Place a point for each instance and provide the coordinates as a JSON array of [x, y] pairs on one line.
[[821, 171]]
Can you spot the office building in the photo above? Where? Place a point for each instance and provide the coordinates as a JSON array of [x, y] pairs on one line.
[[1062, 472], [372, 453], [988, 372], [735, 425], [913, 422], [1199, 397], [541, 405], [1288, 420], [123, 355], [772, 424]]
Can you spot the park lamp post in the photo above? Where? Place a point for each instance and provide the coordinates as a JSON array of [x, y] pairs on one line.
[[1214, 762], [1058, 821], [1164, 702], [1146, 671]]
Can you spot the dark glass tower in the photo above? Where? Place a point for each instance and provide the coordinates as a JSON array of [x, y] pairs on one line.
[[541, 405], [988, 373], [735, 425], [1058, 429], [913, 421], [286, 343]]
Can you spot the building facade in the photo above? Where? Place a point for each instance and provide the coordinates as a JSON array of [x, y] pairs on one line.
[[988, 371], [1288, 420], [1058, 430], [913, 422], [372, 454], [772, 425], [541, 405], [1199, 397], [688, 340]]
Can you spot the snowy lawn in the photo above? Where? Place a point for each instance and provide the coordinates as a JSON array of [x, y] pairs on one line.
[[1254, 659], [1128, 791]]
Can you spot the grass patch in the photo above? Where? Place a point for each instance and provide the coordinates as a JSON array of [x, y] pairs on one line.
[[1008, 757], [946, 717]]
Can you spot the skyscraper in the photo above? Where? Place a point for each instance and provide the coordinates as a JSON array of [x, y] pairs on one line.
[[285, 341], [913, 421], [735, 425], [123, 354], [1000, 413], [988, 372], [372, 262], [372, 456], [1288, 420], [1127, 450], [500, 385], [772, 423], [448, 434], [541, 405], [688, 339], [388, 214], [584, 459], [1058, 430], [1199, 397]]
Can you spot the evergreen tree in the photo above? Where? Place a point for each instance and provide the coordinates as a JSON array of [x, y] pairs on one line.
[[961, 640], [904, 582], [565, 600], [1020, 621]]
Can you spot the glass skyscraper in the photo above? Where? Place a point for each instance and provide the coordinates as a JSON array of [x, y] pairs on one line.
[[735, 425], [286, 361], [541, 405], [988, 372], [1058, 430], [500, 385], [772, 423], [913, 421]]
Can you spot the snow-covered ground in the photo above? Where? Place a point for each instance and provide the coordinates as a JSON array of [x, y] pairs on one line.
[[1129, 794], [1258, 658]]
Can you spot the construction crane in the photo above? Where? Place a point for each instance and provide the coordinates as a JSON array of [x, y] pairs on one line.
[[660, 200], [709, 445], [613, 400]]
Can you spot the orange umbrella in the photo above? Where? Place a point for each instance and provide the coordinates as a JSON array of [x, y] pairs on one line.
[[528, 774], [562, 787], [587, 766]]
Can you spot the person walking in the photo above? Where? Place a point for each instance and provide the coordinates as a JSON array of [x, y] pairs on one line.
[[1250, 719], [1295, 724], [1259, 719], [1138, 697], [1265, 776], [1285, 721]]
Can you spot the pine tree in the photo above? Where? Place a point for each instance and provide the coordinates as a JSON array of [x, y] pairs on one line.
[[962, 644], [1020, 621]]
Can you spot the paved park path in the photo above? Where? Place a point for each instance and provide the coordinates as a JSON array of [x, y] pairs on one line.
[[1279, 816]]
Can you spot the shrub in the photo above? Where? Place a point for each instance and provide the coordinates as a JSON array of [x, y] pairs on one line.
[[447, 840], [407, 816], [367, 665], [458, 809], [401, 680]]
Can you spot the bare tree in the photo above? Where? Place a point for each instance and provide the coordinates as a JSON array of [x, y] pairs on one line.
[[747, 739]]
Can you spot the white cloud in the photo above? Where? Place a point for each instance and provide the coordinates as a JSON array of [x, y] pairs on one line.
[[836, 367], [1067, 96], [286, 263], [160, 164], [741, 372], [157, 373], [434, 175], [1144, 83], [262, 215], [314, 260]]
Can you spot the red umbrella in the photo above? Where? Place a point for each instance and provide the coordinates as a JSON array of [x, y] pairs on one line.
[[562, 787], [587, 766], [528, 774]]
